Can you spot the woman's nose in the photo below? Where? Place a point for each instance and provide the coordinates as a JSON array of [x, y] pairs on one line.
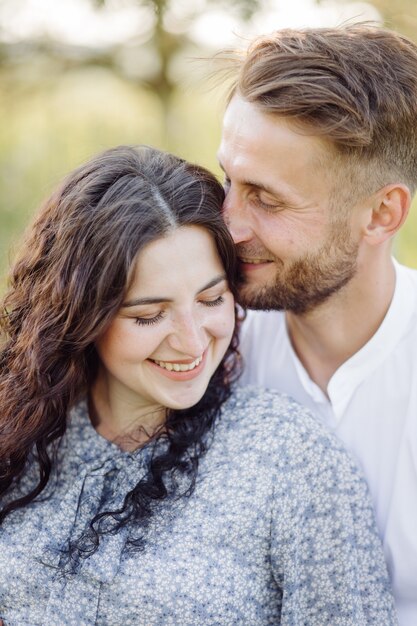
[[189, 336]]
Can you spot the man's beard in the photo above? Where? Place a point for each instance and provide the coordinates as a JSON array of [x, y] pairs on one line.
[[307, 282]]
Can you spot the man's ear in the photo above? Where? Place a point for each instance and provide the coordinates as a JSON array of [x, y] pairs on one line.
[[390, 206]]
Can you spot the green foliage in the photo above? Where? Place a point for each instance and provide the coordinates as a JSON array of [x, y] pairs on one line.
[[60, 103], [52, 130], [245, 8]]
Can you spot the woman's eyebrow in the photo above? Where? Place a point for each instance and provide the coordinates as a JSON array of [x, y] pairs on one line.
[[158, 299], [213, 283], [139, 301]]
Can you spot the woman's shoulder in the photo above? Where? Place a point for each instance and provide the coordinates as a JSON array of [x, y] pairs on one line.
[[277, 426], [268, 409]]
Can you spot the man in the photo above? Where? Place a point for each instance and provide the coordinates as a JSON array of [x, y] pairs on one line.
[[319, 150]]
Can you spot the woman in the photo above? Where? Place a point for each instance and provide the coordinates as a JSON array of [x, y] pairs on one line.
[[139, 486]]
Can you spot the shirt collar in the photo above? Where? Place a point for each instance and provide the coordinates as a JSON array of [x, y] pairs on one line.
[[393, 327], [349, 375]]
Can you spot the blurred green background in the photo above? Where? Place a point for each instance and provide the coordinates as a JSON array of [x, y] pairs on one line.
[[78, 76]]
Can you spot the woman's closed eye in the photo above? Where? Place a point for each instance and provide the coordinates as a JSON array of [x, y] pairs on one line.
[[148, 318], [148, 321], [213, 302]]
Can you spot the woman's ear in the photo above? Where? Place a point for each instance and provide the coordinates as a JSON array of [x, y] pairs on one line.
[[390, 209]]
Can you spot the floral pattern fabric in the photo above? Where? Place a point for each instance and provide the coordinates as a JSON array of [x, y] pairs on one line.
[[279, 530]]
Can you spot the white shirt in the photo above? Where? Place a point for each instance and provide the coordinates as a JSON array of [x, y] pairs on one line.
[[372, 409]]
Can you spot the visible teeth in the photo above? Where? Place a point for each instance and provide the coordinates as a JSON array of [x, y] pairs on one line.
[[253, 261], [179, 367]]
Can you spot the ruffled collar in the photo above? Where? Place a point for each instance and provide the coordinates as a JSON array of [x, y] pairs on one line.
[[99, 475], [82, 440]]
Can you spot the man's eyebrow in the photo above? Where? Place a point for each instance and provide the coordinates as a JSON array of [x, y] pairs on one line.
[[256, 185], [262, 187], [158, 299]]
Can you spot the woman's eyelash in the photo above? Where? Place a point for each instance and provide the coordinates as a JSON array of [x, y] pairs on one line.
[[148, 321], [215, 302]]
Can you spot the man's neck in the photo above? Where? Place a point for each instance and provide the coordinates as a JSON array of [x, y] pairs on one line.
[[328, 336]]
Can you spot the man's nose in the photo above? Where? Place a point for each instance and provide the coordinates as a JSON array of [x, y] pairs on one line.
[[189, 337], [236, 217]]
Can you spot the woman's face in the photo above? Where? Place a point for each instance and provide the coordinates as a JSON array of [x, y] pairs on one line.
[[174, 326]]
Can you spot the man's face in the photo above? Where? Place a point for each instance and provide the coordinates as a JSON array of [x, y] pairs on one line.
[[295, 248]]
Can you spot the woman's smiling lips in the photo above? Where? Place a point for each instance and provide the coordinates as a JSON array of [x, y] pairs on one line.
[[181, 369]]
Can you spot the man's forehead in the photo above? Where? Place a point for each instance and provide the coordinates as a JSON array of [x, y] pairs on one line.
[[247, 124]]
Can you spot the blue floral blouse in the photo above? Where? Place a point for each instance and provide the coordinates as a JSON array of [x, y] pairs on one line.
[[278, 530]]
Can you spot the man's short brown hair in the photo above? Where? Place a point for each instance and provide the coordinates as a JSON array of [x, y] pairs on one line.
[[356, 86]]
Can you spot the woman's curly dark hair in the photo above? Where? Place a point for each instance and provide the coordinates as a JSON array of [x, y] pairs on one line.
[[67, 287]]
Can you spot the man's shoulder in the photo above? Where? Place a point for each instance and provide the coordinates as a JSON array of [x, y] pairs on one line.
[[406, 275], [403, 308], [262, 324], [259, 317], [265, 347]]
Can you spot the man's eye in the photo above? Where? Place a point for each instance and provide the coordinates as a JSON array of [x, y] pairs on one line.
[[226, 183], [266, 205]]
